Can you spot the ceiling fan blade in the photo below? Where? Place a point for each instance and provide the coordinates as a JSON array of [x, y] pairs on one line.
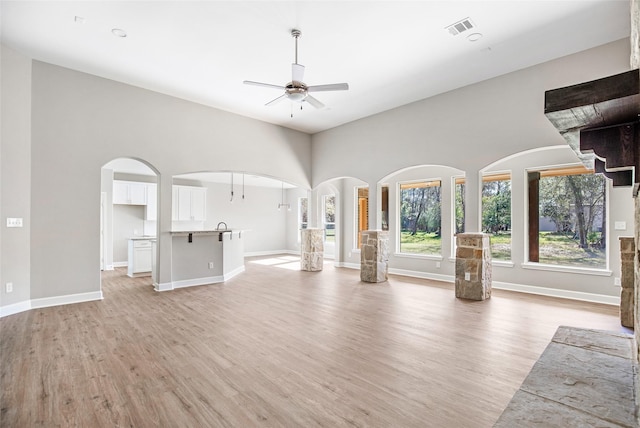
[[297, 72], [313, 101], [330, 87], [276, 100], [264, 85]]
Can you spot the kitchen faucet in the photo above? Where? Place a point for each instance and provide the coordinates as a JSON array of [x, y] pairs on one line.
[[225, 226]]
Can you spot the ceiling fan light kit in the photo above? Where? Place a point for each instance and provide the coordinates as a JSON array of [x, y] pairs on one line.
[[296, 90]]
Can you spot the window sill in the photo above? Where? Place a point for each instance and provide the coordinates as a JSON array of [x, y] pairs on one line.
[[502, 263], [418, 256], [567, 269]]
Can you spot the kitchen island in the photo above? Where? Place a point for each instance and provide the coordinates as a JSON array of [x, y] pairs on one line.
[[205, 257]]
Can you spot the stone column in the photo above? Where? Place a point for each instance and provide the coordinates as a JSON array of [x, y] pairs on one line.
[[627, 252], [374, 256], [311, 249], [473, 266]]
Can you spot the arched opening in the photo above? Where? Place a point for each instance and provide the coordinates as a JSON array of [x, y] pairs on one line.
[[128, 216]]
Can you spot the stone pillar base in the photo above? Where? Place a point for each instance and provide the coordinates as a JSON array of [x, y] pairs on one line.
[[627, 252], [374, 256], [311, 250], [473, 266]]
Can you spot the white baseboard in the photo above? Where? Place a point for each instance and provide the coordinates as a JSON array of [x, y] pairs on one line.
[[555, 292], [165, 286], [347, 265], [46, 302], [423, 275], [120, 264], [197, 281], [227, 276], [15, 308], [521, 288], [271, 253]]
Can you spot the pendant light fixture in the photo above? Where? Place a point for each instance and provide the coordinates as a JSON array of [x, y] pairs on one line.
[[282, 204], [231, 188]]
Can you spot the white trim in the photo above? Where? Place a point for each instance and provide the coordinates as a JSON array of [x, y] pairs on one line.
[[418, 256], [165, 286], [566, 269], [555, 292], [347, 265], [120, 264], [15, 308], [271, 253], [197, 281], [520, 288], [422, 275], [109, 267], [67, 299], [233, 273], [502, 263]]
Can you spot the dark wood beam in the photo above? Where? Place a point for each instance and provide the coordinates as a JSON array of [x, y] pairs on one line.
[[600, 121]]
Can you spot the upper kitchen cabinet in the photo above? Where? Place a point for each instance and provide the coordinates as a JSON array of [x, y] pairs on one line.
[[151, 210], [189, 203], [129, 193]]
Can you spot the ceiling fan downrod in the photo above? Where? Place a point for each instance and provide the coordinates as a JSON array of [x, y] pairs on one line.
[[295, 33]]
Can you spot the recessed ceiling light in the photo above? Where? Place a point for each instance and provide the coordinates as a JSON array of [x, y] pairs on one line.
[[119, 33], [474, 37]]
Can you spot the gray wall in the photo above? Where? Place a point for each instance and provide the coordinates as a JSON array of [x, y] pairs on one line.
[[65, 125], [80, 122], [15, 176], [495, 124]]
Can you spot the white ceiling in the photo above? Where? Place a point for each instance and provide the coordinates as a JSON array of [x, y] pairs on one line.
[[390, 52]]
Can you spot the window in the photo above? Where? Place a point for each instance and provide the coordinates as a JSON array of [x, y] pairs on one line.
[[362, 218], [303, 215], [567, 217], [385, 207], [496, 213], [420, 218], [458, 208], [329, 217]]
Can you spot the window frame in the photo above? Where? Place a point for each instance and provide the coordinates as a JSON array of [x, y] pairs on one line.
[[356, 217], [565, 169], [324, 217], [398, 222], [300, 222], [498, 176]]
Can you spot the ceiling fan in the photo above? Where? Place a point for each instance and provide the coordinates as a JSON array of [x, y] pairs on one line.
[[297, 90]]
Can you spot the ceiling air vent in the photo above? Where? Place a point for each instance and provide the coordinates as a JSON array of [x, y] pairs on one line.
[[460, 27]]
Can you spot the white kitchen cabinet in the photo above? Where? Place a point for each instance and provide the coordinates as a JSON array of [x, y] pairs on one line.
[[140, 257], [189, 203], [151, 210], [129, 193]]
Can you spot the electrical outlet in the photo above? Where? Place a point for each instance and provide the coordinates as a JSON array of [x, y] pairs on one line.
[[210, 265], [467, 276], [9, 287], [438, 265], [616, 281]]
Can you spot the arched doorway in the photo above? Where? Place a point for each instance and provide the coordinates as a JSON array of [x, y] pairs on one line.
[[128, 216]]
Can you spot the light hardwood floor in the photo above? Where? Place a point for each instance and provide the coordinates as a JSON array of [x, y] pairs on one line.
[[278, 347]]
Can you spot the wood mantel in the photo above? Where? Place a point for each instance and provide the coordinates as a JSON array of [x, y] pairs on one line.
[[600, 121]]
